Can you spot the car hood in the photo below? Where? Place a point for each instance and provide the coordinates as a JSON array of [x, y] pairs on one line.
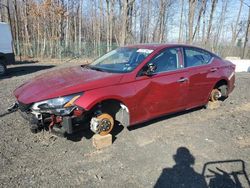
[[64, 82]]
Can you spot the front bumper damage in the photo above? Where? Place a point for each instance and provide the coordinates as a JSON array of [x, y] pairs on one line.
[[63, 125]]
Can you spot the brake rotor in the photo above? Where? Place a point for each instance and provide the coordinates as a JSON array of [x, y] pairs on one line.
[[215, 95], [106, 123]]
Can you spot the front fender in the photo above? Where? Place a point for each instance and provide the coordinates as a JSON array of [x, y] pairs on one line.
[[123, 93]]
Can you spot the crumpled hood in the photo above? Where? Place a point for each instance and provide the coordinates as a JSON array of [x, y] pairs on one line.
[[63, 82]]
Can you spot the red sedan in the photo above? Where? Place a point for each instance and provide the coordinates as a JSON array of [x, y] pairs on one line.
[[128, 85]]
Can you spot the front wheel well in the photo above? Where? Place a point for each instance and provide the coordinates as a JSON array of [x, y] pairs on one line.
[[117, 109]]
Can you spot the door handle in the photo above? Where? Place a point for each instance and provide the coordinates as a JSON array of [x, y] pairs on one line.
[[213, 69], [183, 80]]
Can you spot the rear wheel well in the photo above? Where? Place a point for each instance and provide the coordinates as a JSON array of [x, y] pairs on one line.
[[118, 110], [222, 86]]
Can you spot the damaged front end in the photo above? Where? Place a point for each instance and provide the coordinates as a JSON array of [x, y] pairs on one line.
[[59, 115]]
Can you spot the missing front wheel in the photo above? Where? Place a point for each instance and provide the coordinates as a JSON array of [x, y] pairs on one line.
[[102, 124]]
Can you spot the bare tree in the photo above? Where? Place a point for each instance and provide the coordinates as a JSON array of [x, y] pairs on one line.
[[191, 11], [127, 6], [80, 28], [235, 30], [221, 23], [110, 12], [181, 22], [63, 28], [201, 10], [214, 3], [246, 35], [26, 26]]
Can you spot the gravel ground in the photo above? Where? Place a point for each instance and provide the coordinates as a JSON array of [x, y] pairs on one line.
[[169, 151]]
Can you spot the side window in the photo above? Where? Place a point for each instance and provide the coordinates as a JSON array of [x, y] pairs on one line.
[[196, 57], [167, 60]]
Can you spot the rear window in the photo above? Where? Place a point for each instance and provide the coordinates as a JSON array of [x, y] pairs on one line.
[[196, 57]]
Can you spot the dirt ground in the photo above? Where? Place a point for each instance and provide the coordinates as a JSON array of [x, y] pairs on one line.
[[171, 151]]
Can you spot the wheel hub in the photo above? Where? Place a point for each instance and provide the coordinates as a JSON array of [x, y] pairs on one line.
[[102, 124], [105, 124]]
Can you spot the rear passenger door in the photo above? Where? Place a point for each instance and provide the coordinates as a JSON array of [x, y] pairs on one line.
[[198, 64]]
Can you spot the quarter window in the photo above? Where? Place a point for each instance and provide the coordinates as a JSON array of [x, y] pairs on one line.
[[166, 61], [196, 57]]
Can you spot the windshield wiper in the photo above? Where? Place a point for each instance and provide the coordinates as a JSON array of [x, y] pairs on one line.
[[96, 68], [85, 66], [88, 67], [93, 68]]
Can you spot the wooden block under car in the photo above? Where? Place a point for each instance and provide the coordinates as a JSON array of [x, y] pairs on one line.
[[213, 105], [100, 142]]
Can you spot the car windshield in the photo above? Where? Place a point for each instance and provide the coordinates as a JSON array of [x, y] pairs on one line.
[[120, 60]]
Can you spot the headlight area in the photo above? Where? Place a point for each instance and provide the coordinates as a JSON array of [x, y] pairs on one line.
[[58, 114], [58, 106]]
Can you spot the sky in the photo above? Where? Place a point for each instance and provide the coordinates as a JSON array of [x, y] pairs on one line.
[[230, 18]]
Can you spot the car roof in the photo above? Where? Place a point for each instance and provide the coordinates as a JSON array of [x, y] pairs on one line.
[[158, 46]]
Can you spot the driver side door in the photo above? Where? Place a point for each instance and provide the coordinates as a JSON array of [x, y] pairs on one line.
[[164, 91]]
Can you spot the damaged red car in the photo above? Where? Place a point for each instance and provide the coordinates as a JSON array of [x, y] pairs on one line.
[[126, 86]]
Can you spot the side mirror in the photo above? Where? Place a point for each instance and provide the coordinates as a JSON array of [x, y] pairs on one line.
[[151, 68]]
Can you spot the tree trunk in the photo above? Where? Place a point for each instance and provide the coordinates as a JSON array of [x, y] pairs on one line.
[[191, 12], [26, 26], [180, 26], [18, 52], [107, 25], [246, 35], [220, 26], [67, 28], [234, 33], [80, 29], [202, 9], [100, 25], [127, 7], [214, 2], [124, 22]]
